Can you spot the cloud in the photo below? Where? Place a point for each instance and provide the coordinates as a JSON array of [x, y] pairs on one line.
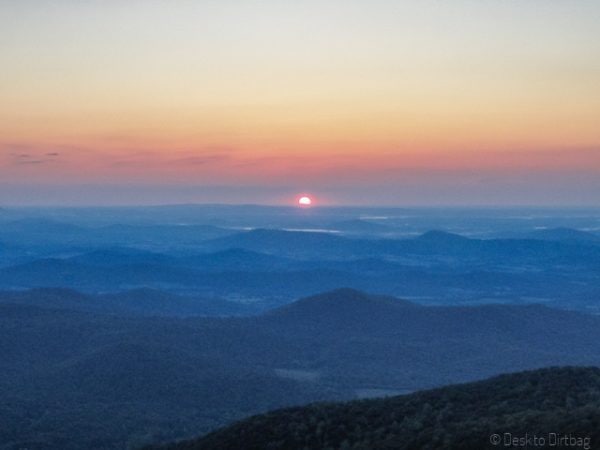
[[179, 160], [31, 161], [199, 160], [30, 158]]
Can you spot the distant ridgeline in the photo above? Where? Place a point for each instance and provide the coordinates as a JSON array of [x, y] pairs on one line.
[[559, 407], [263, 268]]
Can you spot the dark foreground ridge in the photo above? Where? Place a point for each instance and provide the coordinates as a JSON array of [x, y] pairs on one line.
[[550, 404]]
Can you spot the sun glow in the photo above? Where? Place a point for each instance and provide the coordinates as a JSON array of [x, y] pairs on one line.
[[305, 201]]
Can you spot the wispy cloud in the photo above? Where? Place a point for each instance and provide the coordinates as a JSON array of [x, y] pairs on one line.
[[172, 160], [26, 155]]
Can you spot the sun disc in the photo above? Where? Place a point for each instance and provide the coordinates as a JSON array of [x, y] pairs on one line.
[[305, 201]]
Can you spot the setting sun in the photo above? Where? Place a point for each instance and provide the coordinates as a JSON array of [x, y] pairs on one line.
[[305, 201]]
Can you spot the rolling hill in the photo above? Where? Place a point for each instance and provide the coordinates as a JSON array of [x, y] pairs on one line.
[[114, 382], [142, 302], [565, 234], [278, 266], [551, 404]]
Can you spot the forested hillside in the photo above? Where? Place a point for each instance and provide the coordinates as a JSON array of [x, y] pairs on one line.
[[548, 404]]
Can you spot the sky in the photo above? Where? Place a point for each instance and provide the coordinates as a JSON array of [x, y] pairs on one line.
[[354, 102]]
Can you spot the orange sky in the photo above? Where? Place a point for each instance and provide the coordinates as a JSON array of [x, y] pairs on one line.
[[326, 94]]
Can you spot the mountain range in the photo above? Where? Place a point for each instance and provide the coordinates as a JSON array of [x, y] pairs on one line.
[[143, 302], [272, 267], [75, 380]]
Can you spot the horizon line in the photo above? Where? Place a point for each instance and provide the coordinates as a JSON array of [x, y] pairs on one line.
[[295, 207]]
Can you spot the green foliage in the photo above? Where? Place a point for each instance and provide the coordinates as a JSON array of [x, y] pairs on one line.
[[559, 400]]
